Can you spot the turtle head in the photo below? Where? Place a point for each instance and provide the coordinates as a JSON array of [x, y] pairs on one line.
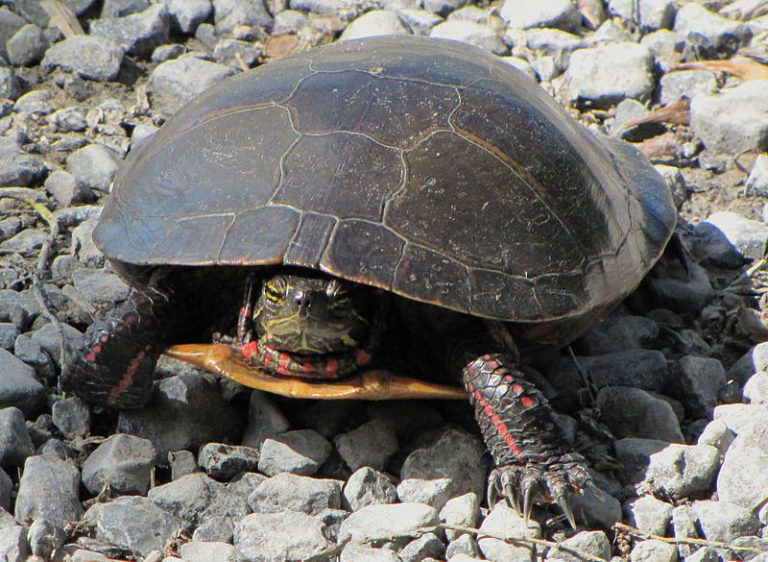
[[311, 314]]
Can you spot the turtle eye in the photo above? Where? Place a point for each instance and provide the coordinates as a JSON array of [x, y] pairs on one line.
[[272, 292]]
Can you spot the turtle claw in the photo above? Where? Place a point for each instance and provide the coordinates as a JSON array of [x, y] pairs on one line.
[[565, 505]]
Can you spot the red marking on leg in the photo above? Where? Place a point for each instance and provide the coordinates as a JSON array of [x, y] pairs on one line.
[[492, 365], [526, 401], [362, 357], [501, 427], [119, 328], [96, 348], [517, 389], [104, 338], [282, 368], [127, 379], [308, 367], [250, 349], [130, 318], [91, 357], [332, 367]]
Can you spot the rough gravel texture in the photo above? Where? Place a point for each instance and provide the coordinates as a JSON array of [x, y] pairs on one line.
[[676, 425]]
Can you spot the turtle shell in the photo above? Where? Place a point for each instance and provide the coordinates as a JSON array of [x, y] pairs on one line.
[[425, 167]]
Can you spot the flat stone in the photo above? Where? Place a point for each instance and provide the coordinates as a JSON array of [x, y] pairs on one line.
[[737, 233], [506, 522], [10, 88], [419, 22], [124, 462], [291, 492], [224, 462], [233, 51], [595, 543], [756, 389], [735, 120], [591, 76], [478, 34], [560, 14], [187, 498], [739, 417], [49, 488], [373, 23], [66, 189], [272, 537], [136, 34], [186, 15], [100, 286], [13, 543], [724, 522], [299, 451], [367, 486], [188, 76], [358, 553], [701, 380], [372, 444], [19, 386], [229, 14], [650, 14], [120, 8], [753, 361], [618, 332], [740, 480], [711, 35], [686, 84], [17, 168], [265, 419], [717, 434], [649, 514], [207, 551], [132, 523], [677, 470], [91, 57], [463, 511], [15, 444], [656, 550], [72, 417], [386, 520], [631, 412], [94, 166], [10, 23], [427, 546], [229, 506], [27, 46]]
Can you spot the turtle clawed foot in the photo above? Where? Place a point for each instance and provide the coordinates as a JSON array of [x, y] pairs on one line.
[[555, 482]]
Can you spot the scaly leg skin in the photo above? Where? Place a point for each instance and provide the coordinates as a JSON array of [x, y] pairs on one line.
[[115, 364], [531, 454]]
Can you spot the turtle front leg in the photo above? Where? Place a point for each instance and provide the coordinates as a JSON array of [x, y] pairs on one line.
[[115, 364], [532, 455]]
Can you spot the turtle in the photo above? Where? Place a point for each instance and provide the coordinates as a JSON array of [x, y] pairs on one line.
[[377, 206]]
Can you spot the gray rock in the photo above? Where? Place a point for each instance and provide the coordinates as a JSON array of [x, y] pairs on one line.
[[27, 46], [745, 236], [717, 434], [66, 189], [94, 166], [207, 551], [452, 458], [19, 386], [291, 492], [631, 412], [186, 15], [733, 120], [656, 550], [367, 486], [17, 168], [591, 76], [387, 520], [48, 488], [187, 76], [684, 527], [419, 22], [675, 180], [756, 389], [10, 24], [649, 14], [100, 286], [506, 522], [9, 84], [477, 34], [427, 546], [346, 8], [19, 307], [709, 34], [132, 523], [120, 8], [166, 52], [231, 51], [224, 462], [677, 470], [373, 23], [70, 119], [689, 295], [87, 252], [740, 481], [206, 34], [443, 7], [229, 14], [228, 507], [649, 514], [463, 511], [44, 538], [182, 463], [591, 542], [464, 547], [8, 334], [757, 182], [722, 521], [663, 44], [94, 58], [264, 419], [185, 412], [288, 22], [299, 452], [372, 444], [136, 34], [13, 543], [72, 417], [32, 354], [561, 14], [522, 65], [15, 444], [755, 360], [619, 332], [187, 498], [701, 380], [739, 417], [357, 553], [686, 84], [124, 462], [25, 242], [272, 537]]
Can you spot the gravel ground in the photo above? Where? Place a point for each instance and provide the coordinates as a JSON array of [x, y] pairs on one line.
[[677, 431]]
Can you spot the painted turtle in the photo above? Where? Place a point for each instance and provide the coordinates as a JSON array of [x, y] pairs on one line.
[[387, 202]]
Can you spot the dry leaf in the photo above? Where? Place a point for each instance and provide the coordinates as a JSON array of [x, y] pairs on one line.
[[659, 146], [61, 16], [746, 69], [678, 113], [281, 46]]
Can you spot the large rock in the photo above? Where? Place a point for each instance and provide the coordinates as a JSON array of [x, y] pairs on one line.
[[95, 58]]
